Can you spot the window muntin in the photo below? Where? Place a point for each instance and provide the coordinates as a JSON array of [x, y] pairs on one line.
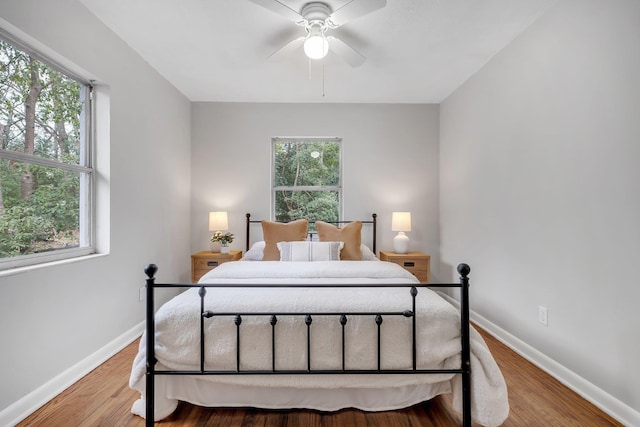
[[307, 178], [46, 174]]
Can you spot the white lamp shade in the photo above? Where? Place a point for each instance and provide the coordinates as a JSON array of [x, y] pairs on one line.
[[401, 221], [218, 221]]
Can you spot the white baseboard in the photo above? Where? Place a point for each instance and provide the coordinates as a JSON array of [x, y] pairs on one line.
[[600, 398], [24, 407]]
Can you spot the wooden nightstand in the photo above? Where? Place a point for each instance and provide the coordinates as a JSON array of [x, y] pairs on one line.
[[415, 262], [204, 261]]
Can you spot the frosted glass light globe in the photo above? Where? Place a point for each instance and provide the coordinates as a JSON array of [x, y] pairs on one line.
[[316, 46]]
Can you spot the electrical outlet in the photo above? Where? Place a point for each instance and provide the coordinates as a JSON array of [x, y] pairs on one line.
[[542, 315], [142, 293]]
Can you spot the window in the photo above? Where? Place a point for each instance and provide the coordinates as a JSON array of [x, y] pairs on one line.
[[307, 179], [46, 175]]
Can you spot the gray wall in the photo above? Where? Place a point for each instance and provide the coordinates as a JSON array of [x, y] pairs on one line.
[[390, 155], [54, 317], [540, 189]]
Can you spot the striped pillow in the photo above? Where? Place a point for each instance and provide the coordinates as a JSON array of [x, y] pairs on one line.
[[310, 251]]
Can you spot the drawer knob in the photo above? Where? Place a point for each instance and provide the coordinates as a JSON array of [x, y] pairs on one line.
[[409, 264], [212, 263]]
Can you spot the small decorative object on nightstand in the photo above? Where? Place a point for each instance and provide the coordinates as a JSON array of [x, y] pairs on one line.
[[204, 261], [223, 239], [417, 263]]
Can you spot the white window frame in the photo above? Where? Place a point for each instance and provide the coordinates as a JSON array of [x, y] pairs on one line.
[[85, 168]]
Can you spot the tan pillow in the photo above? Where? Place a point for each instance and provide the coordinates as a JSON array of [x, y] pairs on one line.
[[350, 234], [275, 232]]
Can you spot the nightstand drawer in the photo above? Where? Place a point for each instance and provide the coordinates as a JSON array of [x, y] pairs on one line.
[[205, 261], [207, 264], [414, 265], [417, 263]]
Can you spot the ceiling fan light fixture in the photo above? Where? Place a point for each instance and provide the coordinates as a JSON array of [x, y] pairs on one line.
[[317, 17], [316, 46]]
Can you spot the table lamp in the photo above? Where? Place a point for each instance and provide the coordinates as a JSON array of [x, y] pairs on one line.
[[401, 222], [218, 222]]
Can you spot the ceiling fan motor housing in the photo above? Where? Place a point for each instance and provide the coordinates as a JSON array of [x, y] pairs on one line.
[[316, 11]]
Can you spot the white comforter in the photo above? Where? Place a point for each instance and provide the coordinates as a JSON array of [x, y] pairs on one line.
[[177, 331]]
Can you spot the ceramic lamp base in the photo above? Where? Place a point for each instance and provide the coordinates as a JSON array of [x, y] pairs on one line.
[[401, 243]]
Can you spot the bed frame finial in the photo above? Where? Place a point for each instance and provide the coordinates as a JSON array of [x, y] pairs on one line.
[[464, 269], [151, 270]]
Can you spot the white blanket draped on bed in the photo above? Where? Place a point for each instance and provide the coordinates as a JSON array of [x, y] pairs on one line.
[[177, 334]]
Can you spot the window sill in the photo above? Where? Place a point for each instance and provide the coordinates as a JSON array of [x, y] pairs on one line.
[[34, 267]]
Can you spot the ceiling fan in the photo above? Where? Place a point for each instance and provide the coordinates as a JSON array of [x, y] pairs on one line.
[[317, 18]]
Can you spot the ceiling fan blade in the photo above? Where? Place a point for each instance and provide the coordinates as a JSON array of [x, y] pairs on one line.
[[354, 9], [281, 9], [346, 52], [287, 48]]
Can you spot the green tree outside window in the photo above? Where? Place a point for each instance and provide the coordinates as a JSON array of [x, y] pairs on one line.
[[44, 167], [307, 179]]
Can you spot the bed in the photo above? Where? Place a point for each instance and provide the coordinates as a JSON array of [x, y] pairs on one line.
[[312, 326]]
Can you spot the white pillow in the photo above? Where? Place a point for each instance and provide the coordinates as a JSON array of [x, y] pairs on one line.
[[310, 251], [367, 254], [255, 253]]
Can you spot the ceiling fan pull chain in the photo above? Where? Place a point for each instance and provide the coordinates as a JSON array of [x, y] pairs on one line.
[[323, 78]]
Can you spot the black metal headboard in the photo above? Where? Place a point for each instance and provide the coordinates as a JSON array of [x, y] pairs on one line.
[[373, 222]]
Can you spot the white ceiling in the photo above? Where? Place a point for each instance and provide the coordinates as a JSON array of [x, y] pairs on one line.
[[418, 51]]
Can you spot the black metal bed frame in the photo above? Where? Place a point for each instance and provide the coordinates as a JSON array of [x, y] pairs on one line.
[[342, 317]]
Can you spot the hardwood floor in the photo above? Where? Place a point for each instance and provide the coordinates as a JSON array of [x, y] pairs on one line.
[[103, 398]]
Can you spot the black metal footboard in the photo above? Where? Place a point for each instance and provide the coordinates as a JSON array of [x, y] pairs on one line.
[[343, 318]]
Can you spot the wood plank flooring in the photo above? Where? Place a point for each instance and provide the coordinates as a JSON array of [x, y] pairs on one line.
[[103, 398]]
